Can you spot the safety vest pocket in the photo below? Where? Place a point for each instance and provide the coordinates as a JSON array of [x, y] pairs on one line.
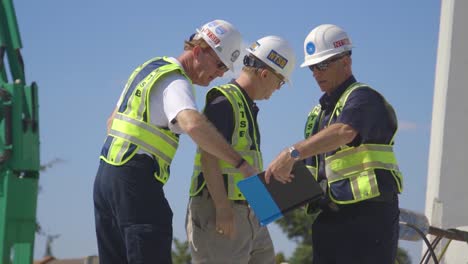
[[356, 187]]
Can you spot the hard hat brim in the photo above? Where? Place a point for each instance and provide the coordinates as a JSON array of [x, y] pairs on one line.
[[313, 61], [318, 58], [230, 64]]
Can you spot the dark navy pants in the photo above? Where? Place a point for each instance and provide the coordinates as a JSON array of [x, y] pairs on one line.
[[133, 218], [361, 233]]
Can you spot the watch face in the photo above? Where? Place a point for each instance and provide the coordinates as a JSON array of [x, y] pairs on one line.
[[294, 153]]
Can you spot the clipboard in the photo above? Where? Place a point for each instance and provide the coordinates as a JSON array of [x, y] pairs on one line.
[[271, 201]]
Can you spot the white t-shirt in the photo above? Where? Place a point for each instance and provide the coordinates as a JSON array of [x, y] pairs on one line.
[[172, 94]]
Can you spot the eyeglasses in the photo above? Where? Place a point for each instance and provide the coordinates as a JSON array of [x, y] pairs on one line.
[[323, 66], [280, 78], [219, 64]]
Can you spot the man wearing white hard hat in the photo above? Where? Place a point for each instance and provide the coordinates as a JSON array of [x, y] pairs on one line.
[[349, 149], [133, 218], [221, 227]]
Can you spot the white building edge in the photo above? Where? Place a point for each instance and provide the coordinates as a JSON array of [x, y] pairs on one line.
[[447, 180]]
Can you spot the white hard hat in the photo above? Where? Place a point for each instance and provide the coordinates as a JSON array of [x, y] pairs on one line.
[[224, 39], [324, 42], [275, 52]]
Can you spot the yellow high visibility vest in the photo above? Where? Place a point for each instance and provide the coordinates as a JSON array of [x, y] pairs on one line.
[[353, 168], [245, 144], [131, 129], [311, 127]]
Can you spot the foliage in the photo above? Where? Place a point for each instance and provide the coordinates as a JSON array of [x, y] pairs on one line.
[[181, 253], [280, 258], [402, 257], [297, 226], [302, 254]]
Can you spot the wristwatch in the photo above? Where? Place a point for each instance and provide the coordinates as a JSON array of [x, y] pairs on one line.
[[294, 153]]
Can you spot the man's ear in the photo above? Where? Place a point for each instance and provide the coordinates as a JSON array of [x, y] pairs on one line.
[[264, 73], [197, 50], [347, 61]]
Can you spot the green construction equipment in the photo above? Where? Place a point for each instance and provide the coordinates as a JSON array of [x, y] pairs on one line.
[[19, 146]]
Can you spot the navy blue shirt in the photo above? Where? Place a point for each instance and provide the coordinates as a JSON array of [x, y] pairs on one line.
[[219, 111], [370, 115]]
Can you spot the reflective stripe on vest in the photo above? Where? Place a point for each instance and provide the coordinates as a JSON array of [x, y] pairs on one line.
[[156, 141], [354, 167], [130, 128], [310, 128], [241, 141], [362, 157], [357, 166], [311, 123]]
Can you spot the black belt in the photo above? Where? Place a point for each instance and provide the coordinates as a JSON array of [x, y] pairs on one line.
[[242, 202], [325, 204]]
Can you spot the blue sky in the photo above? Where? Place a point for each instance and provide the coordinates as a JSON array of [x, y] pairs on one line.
[[82, 52]]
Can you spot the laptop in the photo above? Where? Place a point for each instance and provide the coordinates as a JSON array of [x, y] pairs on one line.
[[271, 201]]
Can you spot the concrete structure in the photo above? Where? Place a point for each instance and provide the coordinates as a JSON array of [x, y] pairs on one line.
[[447, 181]]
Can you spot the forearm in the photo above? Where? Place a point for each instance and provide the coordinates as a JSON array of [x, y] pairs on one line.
[[110, 119], [214, 180], [215, 184], [326, 140], [206, 136]]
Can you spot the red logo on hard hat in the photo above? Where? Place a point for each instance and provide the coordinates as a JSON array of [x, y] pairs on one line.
[[341, 42], [211, 36]]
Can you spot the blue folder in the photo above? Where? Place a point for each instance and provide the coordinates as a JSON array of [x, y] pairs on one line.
[[271, 201]]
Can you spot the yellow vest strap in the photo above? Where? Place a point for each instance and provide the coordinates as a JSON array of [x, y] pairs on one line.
[[333, 176], [171, 141], [361, 148], [142, 144]]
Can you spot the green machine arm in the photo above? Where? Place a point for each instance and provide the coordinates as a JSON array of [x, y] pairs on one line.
[[19, 146]]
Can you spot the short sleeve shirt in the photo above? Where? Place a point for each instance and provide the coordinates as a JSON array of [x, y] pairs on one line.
[[370, 115], [170, 96]]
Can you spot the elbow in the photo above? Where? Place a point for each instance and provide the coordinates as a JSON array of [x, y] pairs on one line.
[[192, 128], [194, 124], [347, 133], [190, 121]]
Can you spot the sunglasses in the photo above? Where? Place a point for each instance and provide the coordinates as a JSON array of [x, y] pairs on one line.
[[323, 66], [219, 64], [256, 63]]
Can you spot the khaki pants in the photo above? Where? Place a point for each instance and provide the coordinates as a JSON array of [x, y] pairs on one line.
[[252, 243]]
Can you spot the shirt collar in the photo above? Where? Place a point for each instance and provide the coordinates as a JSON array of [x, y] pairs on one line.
[[250, 102], [328, 101]]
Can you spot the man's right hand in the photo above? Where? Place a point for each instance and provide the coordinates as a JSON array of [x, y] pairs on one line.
[[225, 225], [280, 168]]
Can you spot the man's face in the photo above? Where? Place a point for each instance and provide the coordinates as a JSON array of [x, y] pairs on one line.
[[271, 83], [330, 73], [209, 67]]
